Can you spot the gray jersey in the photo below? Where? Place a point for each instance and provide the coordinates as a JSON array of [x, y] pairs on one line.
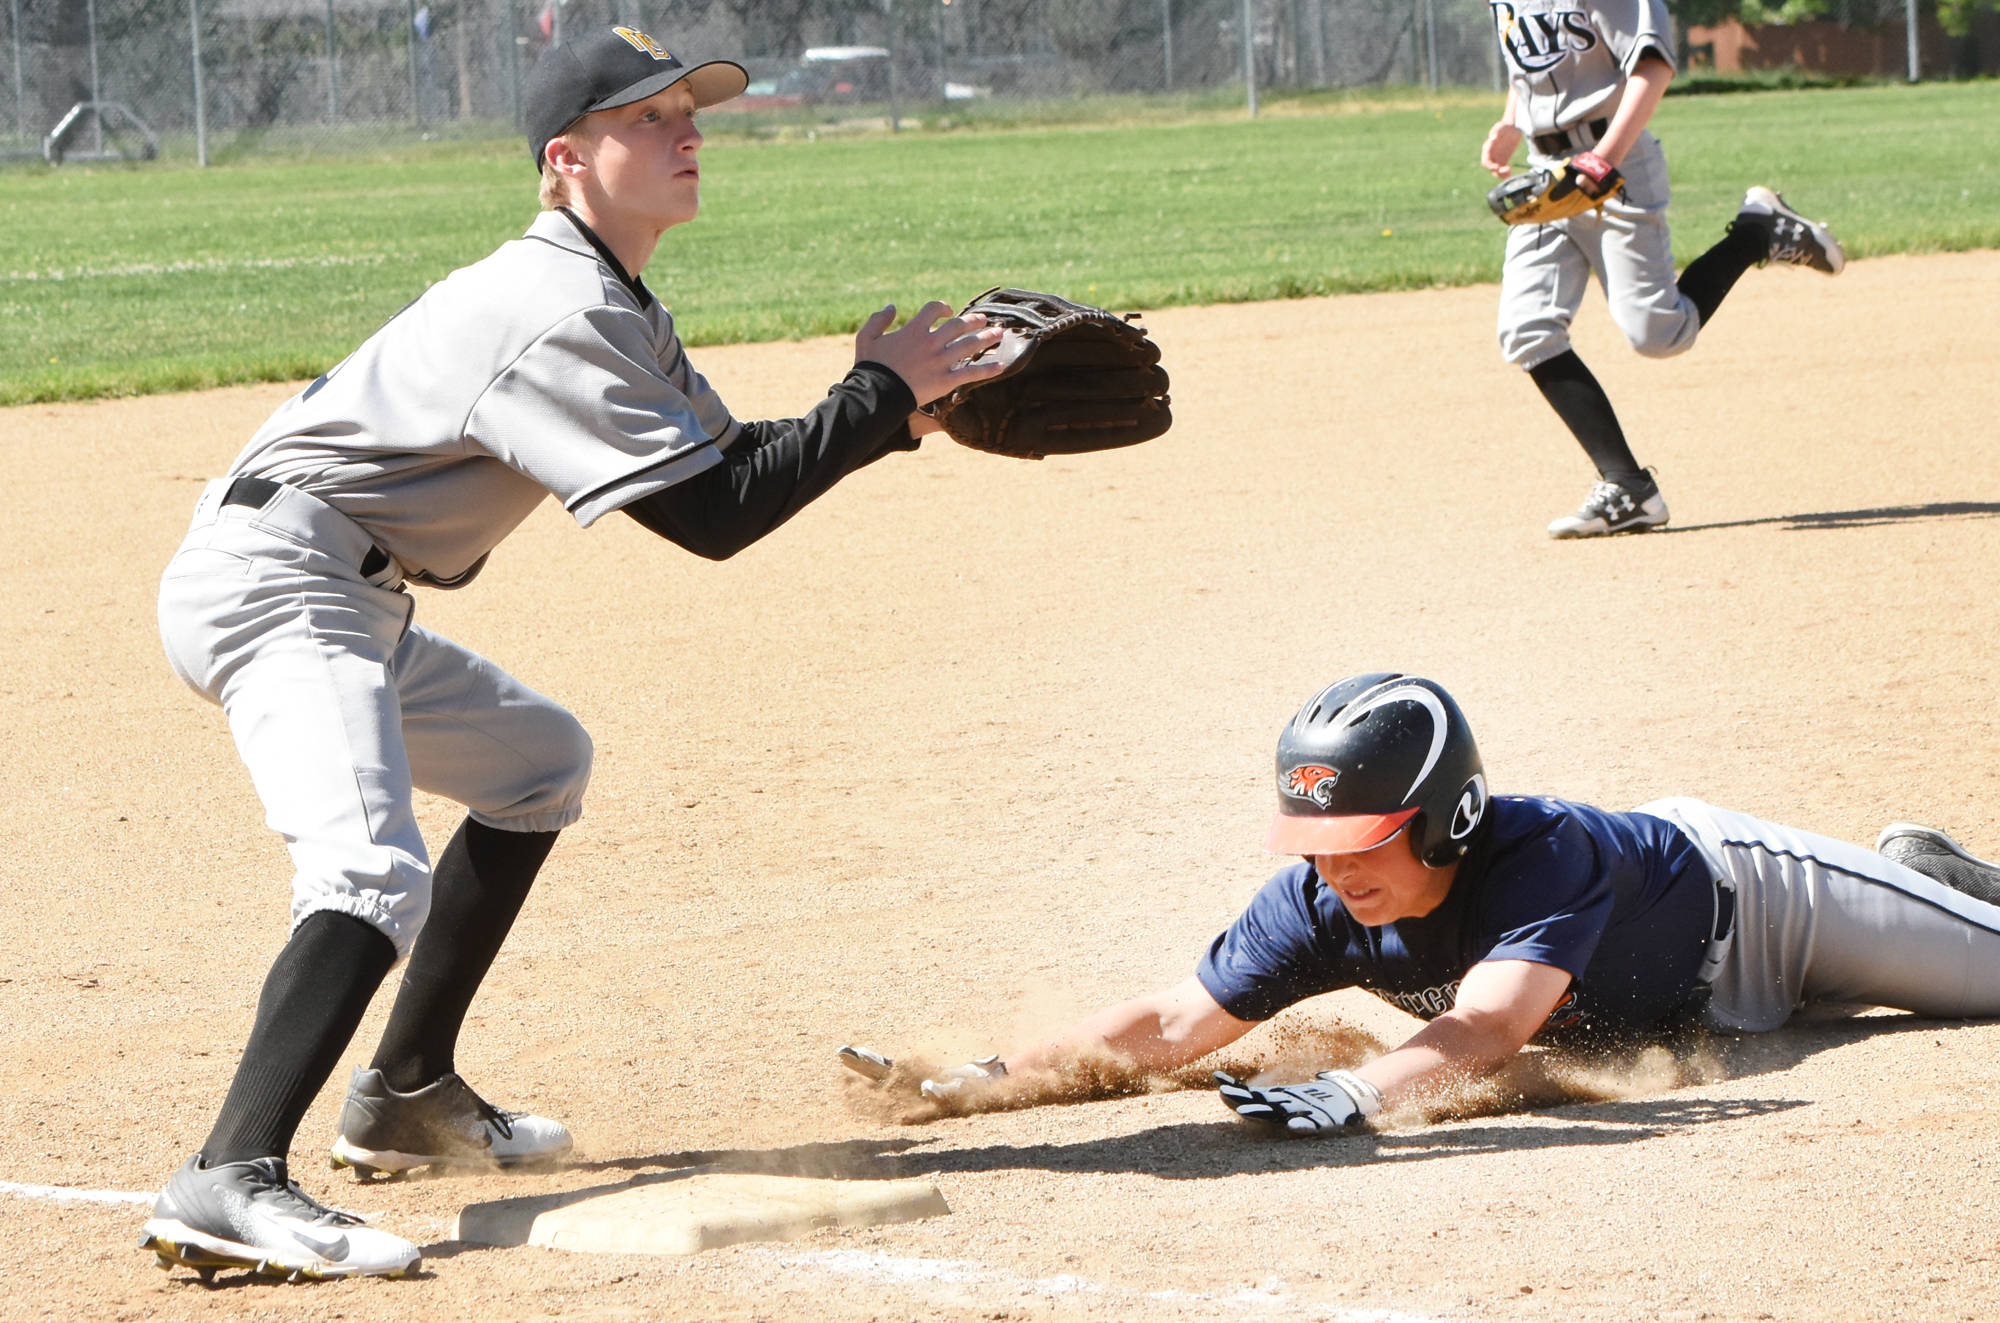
[[538, 370], [1568, 58]]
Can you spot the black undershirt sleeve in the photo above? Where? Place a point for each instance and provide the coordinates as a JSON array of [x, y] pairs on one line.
[[777, 468]]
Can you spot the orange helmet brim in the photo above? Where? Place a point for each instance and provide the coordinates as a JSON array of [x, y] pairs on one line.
[[1311, 834]]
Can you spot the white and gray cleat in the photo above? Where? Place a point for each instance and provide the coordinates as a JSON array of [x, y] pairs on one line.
[[444, 1124], [1794, 240], [253, 1216], [1929, 851], [1613, 508]]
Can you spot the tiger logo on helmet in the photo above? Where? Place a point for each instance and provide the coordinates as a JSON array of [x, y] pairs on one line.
[[1311, 782]]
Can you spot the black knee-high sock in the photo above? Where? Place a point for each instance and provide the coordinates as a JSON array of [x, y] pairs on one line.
[[477, 889], [1711, 276], [1583, 406], [313, 998]]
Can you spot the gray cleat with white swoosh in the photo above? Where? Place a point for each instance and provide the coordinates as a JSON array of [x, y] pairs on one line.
[[252, 1215]]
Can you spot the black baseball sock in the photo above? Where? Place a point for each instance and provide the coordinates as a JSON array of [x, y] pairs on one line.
[[313, 998], [1583, 406], [477, 889], [1712, 275]]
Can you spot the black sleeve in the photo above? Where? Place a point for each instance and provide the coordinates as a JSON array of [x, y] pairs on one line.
[[775, 469]]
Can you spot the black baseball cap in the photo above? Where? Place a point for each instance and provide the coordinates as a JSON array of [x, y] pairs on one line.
[[613, 66]]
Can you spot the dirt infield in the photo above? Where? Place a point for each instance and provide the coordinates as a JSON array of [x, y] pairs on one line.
[[973, 745]]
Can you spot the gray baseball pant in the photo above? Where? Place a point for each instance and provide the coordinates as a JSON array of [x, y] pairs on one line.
[[1625, 243], [341, 707], [1823, 921]]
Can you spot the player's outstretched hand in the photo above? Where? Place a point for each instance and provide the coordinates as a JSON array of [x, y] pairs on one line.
[[1331, 1100], [954, 1085], [958, 1082], [1498, 153], [931, 351], [865, 1062]]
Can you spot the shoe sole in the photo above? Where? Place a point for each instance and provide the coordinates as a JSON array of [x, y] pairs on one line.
[[1932, 836], [1836, 256], [1636, 526], [177, 1245], [390, 1164]]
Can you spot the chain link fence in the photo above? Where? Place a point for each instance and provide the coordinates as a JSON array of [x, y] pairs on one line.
[[213, 79]]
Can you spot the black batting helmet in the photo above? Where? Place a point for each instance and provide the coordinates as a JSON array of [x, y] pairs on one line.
[[1373, 754]]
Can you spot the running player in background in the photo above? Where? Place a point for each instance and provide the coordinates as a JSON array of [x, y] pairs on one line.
[[1505, 920], [1585, 77], [546, 369]]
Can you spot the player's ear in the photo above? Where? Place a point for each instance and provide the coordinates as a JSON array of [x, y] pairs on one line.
[[563, 156]]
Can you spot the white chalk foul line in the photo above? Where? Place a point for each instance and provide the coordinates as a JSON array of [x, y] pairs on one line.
[[63, 1195], [897, 1270]]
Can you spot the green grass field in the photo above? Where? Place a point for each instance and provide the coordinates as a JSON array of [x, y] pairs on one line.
[[119, 280]]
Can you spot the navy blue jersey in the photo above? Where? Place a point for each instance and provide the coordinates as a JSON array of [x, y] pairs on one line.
[[1622, 901]]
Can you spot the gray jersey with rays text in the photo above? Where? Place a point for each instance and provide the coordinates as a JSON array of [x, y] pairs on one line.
[[537, 370], [1568, 59]]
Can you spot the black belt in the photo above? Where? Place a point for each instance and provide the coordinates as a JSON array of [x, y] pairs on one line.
[[257, 493], [1560, 142], [1725, 911]]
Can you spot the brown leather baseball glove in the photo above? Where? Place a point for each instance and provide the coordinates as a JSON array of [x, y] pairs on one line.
[[1077, 379]]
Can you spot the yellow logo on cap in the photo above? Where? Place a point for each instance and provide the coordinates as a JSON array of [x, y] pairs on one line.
[[639, 41]]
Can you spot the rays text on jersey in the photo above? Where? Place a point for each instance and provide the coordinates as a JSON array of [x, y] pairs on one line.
[[1537, 42]]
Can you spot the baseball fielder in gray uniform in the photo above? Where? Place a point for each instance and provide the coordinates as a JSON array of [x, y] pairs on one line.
[[1585, 77], [546, 369]]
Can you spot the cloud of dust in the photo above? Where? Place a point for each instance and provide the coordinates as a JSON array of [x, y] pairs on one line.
[[1290, 1048], [1294, 1048], [1539, 1078]]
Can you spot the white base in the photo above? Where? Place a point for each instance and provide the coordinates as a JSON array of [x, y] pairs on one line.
[[687, 1212]]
